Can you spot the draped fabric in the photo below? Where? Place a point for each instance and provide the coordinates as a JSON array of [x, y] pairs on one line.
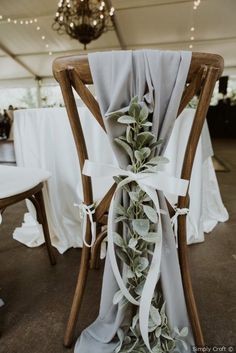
[[157, 78]]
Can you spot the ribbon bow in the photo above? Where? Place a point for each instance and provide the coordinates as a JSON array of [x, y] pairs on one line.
[[87, 210], [149, 182]]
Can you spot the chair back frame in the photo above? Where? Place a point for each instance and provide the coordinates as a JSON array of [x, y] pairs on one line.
[[74, 72]]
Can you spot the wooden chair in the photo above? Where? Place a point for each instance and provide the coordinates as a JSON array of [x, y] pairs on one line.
[[18, 184], [74, 72]]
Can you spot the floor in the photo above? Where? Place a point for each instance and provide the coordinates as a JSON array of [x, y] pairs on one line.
[[38, 296]]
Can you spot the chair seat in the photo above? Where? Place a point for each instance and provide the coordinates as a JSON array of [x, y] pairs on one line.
[[15, 180]]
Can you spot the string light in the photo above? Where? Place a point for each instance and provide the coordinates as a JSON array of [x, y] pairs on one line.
[[27, 22], [196, 4]]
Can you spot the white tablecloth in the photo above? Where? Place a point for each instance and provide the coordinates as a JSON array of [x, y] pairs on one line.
[[43, 139]]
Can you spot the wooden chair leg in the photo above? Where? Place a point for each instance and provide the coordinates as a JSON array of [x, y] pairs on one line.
[[187, 284], [38, 202], [78, 296]]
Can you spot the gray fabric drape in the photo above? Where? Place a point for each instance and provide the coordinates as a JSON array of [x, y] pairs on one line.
[[158, 78]]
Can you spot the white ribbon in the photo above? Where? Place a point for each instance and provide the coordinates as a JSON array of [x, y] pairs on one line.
[[149, 183], [87, 210], [174, 220]]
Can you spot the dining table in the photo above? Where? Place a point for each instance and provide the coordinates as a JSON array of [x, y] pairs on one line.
[[43, 139]]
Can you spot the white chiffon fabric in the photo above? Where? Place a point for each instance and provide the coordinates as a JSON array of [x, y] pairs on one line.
[[43, 139]]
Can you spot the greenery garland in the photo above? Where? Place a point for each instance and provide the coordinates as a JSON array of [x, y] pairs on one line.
[[135, 247]]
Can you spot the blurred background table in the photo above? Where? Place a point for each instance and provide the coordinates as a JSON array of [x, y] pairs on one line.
[[43, 139]]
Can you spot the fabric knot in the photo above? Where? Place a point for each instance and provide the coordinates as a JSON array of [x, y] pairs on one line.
[[181, 211], [84, 212]]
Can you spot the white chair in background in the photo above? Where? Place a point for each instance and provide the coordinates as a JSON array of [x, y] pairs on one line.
[[18, 184]]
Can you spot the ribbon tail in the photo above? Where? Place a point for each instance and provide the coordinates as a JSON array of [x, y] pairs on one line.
[[112, 256], [152, 276]]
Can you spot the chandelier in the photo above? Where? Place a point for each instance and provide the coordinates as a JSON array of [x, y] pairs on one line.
[[84, 20]]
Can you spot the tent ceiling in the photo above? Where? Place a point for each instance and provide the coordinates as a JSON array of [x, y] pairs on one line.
[[163, 24]]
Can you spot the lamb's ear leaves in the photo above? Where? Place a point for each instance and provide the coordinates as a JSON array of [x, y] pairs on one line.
[[155, 315], [145, 138], [150, 213], [143, 115], [125, 146], [126, 119], [123, 256], [141, 226], [118, 240], [134, 109]]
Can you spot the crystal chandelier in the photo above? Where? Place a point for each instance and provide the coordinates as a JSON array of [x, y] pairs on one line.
[[84, 20]]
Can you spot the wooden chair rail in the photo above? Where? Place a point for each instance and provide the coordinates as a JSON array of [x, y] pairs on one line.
[[81, 65], [8, 201]]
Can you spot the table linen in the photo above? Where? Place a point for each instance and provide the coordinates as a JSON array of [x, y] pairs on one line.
[[43, 139]]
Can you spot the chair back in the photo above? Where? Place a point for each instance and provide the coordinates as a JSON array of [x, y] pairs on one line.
[[73, 72]]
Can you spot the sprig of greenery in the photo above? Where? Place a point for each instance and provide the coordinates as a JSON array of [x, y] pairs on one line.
[[136, 246]]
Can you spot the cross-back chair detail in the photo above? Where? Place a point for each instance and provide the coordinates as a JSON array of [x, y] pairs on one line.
[[74, 72]]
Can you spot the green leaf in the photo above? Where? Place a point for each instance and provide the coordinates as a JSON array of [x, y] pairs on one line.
[[117, 297], [155, 315], [130, 273], [130, 211], [152, 237], [184, 332], [145, 152], [120, 210], [123, 138], [118, 240], [177, 330], [125, 146], [141, 263], [157, 143], [135, 320], [118, 179], [158, 159], [120, 219], [126, 119], [144, 138], [150, 213], [147, 123], [138, 156], [139, 288], [141, 226], [144, 113], [158, 332], [129, 136], [123, 256], [134, 100], [132, 243], [167, 336], [134, 196], [134, 110]]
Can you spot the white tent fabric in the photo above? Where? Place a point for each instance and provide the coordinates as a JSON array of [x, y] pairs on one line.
[[142, 24]]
